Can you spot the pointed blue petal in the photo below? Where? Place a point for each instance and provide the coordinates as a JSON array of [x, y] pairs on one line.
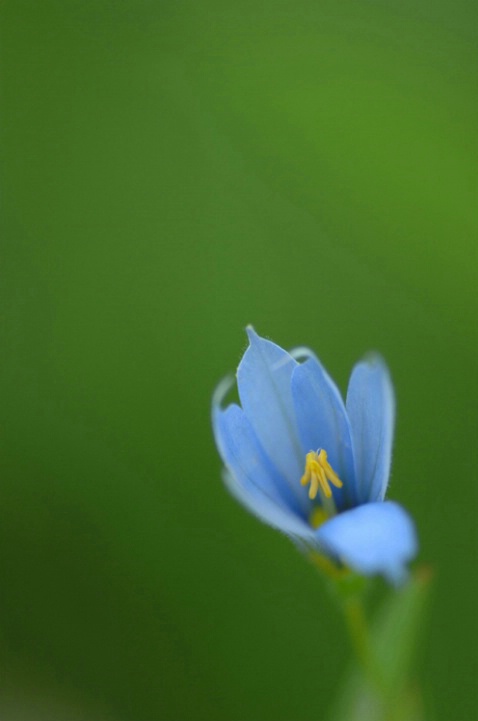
[[323, 423], [263, 379], [370, 539], [267, 511], [371, 410], [250, 476], [244, 457]]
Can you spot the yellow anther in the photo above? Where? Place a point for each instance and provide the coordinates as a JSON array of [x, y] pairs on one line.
[[320, 474]]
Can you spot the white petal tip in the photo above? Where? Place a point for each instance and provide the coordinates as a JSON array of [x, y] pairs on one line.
[[374, 359], [251, 334], [221, 392]]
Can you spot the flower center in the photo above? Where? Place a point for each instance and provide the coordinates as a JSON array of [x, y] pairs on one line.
[[318, 516], [320, 474]]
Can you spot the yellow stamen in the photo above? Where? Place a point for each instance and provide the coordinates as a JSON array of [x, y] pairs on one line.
[[320, 474]]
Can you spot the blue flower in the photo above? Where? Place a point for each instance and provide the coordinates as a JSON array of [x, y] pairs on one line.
[[311, 466]]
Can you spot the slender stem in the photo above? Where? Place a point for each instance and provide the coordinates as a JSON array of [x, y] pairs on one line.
[[360, 636]]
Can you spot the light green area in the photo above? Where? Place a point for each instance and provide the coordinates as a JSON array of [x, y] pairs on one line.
[[384, 685], [171, 172]]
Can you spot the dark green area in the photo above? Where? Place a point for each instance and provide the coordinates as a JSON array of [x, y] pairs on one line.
[[170, 173]]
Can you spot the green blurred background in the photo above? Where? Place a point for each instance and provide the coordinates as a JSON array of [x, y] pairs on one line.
[[172, 171]]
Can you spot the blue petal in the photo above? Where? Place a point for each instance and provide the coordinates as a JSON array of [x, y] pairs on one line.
[[268, 512], [323, 423], [371, 410], [374, 538], [251, 477], [263, 379]]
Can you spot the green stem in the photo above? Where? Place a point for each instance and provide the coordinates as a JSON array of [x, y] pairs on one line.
[[360, 637], [359, 634]]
